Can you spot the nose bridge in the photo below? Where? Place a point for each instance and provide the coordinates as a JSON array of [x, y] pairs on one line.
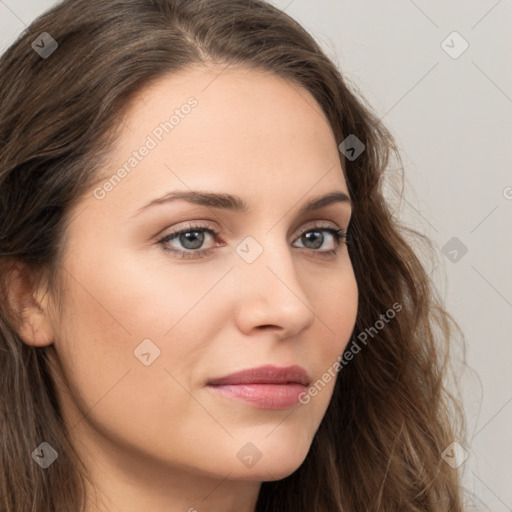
[[266, 256], [269, 278]]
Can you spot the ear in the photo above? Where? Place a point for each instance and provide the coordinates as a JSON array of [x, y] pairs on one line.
[[29, 307]]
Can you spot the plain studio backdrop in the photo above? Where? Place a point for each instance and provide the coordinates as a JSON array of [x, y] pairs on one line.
[[439, 75]]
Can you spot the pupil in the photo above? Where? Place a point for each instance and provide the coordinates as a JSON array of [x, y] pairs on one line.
[[311, 236], [188, 238]]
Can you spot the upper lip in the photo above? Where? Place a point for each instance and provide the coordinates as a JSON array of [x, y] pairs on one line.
[[267, 374]]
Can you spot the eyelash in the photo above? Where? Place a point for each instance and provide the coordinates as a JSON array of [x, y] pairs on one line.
[[338, 234]]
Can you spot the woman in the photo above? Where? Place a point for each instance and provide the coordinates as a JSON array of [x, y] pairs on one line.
[[206, 302]]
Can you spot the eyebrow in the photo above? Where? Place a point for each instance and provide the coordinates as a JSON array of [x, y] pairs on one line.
[[234, 203]]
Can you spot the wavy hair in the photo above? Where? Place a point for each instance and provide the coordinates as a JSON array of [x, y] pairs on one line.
[[379, 446]]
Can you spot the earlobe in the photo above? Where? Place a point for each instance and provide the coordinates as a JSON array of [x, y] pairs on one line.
[[29, 309]]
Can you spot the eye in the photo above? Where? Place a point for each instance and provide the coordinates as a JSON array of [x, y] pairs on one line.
[[314, 239], [193, 237]]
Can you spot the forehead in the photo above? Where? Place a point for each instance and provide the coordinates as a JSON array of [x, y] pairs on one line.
[[248, 130]]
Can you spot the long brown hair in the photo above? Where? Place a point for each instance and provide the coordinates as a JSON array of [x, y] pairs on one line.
[[380, 444]]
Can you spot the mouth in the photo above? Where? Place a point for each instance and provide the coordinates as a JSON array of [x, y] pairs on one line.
[[264, 387]]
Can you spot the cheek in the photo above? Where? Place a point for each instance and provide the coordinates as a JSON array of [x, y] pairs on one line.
[[336, 310], [105, 319], [133, 294], [336, 306], [113, 306]]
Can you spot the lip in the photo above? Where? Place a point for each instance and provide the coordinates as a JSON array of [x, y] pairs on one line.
[[268, 374], [264, 387]]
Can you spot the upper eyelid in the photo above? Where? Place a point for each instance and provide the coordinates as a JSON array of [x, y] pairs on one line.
[[317, 224]]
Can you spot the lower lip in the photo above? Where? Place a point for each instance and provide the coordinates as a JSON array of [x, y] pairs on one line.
[[264, 396]]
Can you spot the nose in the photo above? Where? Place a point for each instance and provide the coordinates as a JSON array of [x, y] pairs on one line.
[[271, 294]]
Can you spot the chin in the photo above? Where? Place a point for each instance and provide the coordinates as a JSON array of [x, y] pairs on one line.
[[275, 466]]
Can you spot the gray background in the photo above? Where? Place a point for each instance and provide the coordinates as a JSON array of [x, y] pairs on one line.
[[451, 118]]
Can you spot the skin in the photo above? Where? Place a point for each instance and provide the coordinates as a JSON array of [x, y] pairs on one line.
[[155, 437]]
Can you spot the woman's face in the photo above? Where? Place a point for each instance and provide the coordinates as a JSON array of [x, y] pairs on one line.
[[146, 324]]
